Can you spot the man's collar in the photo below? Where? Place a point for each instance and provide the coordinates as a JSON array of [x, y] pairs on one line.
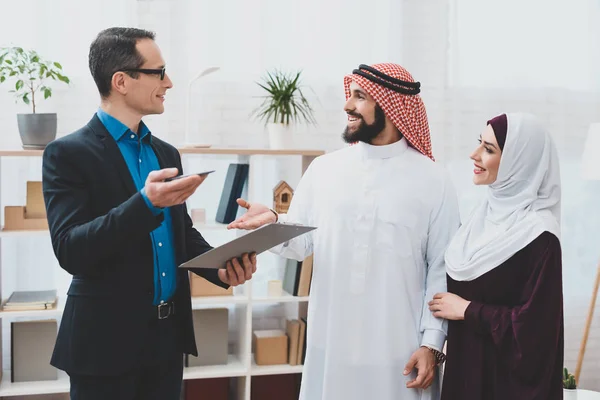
[[117, 129]]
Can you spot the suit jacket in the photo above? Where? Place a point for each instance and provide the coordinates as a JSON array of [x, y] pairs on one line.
[[100, 228]]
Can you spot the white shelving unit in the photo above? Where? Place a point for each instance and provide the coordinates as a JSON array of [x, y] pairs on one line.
[[240, 365], [208, 226]]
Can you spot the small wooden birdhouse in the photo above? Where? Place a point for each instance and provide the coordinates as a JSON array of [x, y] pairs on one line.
[[282, 197]]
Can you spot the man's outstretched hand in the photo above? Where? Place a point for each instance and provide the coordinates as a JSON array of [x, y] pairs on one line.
[[166, 194], [256, 216]]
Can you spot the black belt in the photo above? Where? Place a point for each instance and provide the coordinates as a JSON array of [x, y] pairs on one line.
[[166, 310]]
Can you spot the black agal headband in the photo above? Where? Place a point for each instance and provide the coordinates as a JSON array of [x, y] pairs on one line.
[[397, 85]]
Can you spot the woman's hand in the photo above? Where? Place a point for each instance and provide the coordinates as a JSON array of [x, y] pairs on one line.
[[448, 306]]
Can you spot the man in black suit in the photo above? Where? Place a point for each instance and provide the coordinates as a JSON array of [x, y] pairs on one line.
[[121, 231]]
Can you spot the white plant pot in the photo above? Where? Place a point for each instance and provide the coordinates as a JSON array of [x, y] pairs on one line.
[[280, 136], [569, 394]]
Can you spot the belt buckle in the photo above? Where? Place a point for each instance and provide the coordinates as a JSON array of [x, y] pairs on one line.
[[167, 308]]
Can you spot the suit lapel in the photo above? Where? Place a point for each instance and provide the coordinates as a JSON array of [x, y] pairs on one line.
[[113, 154], [115, 159]]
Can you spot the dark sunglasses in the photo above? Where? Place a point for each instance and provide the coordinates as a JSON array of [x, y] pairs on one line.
[[157, 71]]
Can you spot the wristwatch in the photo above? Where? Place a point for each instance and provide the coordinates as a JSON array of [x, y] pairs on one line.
[[440, 357]]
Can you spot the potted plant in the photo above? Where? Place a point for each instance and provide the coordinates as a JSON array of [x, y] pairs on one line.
[[569, 385], [283, 105], [30, 74]]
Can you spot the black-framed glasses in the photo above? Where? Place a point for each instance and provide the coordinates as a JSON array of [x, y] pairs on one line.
[[156, 71]]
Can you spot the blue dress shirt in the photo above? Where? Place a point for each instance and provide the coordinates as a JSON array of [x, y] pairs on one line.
[[141, 159]]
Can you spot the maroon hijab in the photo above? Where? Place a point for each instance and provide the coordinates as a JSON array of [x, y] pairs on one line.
[[500, 126]]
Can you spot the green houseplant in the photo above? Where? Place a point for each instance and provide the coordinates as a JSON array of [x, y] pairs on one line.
[[283, 105], [30, 74], [569, 385]]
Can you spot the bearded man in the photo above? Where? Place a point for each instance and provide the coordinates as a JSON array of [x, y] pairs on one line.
[[385, 213]]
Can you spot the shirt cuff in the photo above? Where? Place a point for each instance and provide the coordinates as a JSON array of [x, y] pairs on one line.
[[282, 218], [155, 210], [434, 339]]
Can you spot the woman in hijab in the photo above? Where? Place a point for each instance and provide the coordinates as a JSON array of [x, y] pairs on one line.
[[505, 304]]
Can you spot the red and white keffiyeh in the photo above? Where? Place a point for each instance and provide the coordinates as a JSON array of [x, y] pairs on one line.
[[406, 111]]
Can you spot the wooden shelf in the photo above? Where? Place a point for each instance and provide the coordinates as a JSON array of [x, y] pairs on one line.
[[197, 303], [193, 150], [21, 153], [209, 225], [55, 312], [8, 388], [24, 232], [250, 152], [233, 368]]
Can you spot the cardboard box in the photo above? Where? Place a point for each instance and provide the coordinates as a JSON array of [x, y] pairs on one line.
[[15, 219], [35, 206], [32, 216], [270, 347], [200, 287]]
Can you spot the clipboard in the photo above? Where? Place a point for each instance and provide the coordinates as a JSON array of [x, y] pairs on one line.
[[256, 241]]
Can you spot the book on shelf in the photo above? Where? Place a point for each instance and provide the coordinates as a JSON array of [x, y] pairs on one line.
[[237, 174], [293, 332], [296, 332], [31, 300], [297, 277], [302, 348], [302, 341]]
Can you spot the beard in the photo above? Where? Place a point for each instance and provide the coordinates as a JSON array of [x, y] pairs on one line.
[[365, 132]]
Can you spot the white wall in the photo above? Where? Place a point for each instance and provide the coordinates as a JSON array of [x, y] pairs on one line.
[[247, 38], [60, 31], [326, 39]]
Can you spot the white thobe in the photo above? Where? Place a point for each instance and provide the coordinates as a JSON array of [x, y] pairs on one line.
[[384, 217]]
